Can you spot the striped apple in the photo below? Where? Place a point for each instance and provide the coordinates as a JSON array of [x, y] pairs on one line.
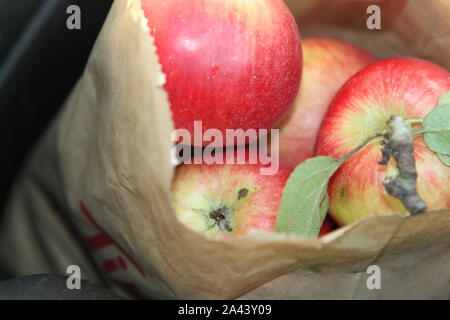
[[327, 65], [230, 200], [407, 87]]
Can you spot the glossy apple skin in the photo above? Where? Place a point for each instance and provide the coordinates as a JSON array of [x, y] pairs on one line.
[[327, 65], [407, 87], [232, 64]]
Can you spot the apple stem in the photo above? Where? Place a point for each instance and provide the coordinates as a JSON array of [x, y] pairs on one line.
[[398, 143], [362, 145]]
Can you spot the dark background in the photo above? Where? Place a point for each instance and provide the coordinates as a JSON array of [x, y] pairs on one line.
[[40, 62]]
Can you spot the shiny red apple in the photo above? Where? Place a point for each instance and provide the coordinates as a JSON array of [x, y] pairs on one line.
[[232, 64], [327, 65], [407, 87]]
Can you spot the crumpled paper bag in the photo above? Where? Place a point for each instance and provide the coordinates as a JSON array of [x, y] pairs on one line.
[[96, 190]]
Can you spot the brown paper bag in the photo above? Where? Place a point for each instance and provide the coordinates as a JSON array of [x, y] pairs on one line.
[[96, 190]]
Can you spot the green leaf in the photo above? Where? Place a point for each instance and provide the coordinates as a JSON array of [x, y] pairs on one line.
[[444, 158], [444, 99], [436, 126], [304, 204]]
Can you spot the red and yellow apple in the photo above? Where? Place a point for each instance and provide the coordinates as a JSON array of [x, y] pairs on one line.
[[327, 65], [230, 200], [233, 64], [406, 87]]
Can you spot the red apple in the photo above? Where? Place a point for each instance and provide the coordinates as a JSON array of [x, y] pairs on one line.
[[327, 227], [407, 87], [233, 64], [327, 65]]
